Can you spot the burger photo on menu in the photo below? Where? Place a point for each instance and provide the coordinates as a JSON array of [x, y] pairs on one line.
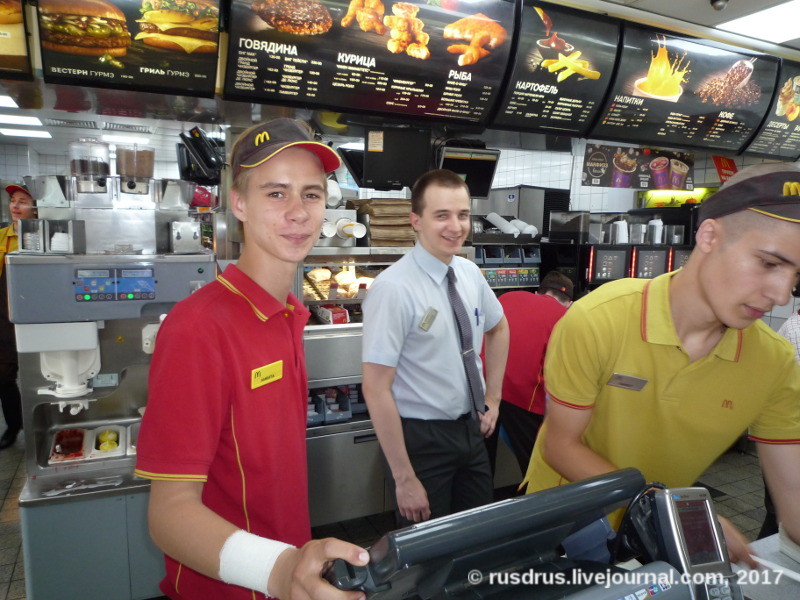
[[299, 17], [191, 26], [84, 27]]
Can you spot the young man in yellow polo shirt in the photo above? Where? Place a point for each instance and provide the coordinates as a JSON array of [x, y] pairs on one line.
[[665, 374]]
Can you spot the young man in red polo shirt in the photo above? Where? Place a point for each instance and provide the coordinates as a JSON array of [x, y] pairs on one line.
[[531, 318], [223, 438]]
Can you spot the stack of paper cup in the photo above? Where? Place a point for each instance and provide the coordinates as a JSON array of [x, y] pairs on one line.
[[502, 224], [525, 227]]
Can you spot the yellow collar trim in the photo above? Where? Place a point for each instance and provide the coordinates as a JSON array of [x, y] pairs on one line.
[[233, 289]]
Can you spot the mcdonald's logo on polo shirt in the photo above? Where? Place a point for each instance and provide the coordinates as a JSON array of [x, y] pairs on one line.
[[727, 404], [266, 374]]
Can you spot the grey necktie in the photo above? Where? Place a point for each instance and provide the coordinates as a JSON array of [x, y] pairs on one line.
[[467, 351]]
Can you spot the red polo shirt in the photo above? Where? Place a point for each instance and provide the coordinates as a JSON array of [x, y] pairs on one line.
[[531, 318], [227, 407]]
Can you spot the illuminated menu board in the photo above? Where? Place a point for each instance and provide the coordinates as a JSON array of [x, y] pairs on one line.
[[420, 59], [562, 69], [780, 134], [676, 92], [145, 45], [14, 60]]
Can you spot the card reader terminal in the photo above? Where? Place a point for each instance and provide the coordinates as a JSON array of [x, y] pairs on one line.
[[691, 539]]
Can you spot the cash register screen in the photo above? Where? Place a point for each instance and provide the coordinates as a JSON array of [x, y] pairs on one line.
[[610, 264], [695, 523]]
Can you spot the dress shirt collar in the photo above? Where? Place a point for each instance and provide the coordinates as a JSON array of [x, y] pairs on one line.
[[434, 267]]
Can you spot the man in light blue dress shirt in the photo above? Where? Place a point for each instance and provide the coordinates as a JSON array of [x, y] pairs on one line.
[[414, 380]]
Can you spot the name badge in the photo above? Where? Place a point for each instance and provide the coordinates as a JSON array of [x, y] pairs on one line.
[[428, 319], [266, 374], [628, 382]]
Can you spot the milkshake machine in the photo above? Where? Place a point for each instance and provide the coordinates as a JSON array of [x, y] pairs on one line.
[[86, 328], [89, 172]]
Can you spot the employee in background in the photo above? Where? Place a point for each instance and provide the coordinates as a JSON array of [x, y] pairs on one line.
[[426, 402], [791, 331], [223, 439], [531, 318], [22, 206], [665, 374]]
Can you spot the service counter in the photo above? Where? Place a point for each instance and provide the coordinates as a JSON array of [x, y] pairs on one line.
[[770, 584]]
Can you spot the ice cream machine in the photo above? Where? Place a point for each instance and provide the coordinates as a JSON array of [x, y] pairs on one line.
[[86, 327]]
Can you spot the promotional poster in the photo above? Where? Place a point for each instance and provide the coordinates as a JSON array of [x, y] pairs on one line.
[[637, 168]]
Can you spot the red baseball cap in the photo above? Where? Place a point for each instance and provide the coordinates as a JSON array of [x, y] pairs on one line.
[[10, 189], [264, 141]]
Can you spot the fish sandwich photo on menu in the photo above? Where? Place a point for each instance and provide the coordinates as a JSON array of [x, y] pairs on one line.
[[85, 27], [180, 25]]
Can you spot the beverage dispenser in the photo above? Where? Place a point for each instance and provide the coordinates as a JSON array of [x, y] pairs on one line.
[[134, 181], [89, 170]]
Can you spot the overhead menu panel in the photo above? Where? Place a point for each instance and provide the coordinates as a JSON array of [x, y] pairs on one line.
[[779, 136], [443, 60], [145, 45], [562, 69], [14, 60], [674, 91]]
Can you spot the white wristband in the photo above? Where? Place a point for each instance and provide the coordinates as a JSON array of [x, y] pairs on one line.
[[247, 560]]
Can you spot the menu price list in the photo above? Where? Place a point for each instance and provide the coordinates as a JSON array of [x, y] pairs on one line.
[[677, 92], [345, 67], [724, 129], [562, 69], [780, 134]]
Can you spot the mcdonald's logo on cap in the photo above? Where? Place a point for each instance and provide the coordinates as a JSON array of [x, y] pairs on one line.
[[261, 137], [791, 188]]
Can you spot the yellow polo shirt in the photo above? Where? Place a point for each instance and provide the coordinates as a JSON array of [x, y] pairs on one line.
[[687, 413], [9, 242]]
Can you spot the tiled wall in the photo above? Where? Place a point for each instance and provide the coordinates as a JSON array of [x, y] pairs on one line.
[[14, 162]]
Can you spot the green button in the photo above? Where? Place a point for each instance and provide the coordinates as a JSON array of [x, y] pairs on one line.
[[130, 296], [201, 270], [87, 297]]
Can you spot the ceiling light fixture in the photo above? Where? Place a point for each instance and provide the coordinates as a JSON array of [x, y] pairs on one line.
[[776, 25], [719, 4], [126, 139], [20, 120], [26, 133]]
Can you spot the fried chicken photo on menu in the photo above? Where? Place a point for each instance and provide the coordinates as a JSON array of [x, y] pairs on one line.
[[367, 13], [300, 17], [482, 33], [405, 31]]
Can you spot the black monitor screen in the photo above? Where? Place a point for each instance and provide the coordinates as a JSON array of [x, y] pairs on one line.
[[610, 264], [475, 166], [395, 157], [353, 159], [433, 558], [651, 263], [679, 257]]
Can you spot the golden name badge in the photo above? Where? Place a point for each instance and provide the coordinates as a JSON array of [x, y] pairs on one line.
[[428, 319], [266, 374]]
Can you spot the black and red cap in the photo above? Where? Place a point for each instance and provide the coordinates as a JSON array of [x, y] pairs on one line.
[[10, 189], [264, 141], [772, 190]]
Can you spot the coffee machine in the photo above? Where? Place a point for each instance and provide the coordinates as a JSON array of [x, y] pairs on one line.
[[86, 327]]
